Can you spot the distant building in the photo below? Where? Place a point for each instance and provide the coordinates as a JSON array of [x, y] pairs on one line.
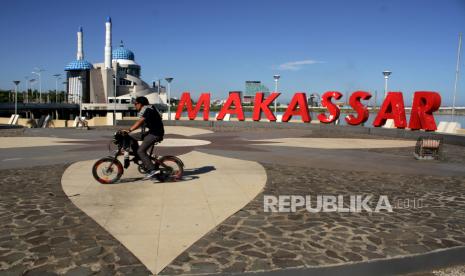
[[252, 87], [241, 94], [314, 100], [119, 76], [218, 102], [158, 87], [248, 99]]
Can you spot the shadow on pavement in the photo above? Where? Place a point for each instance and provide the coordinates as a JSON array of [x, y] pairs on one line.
[[189, 174], [201, 170]]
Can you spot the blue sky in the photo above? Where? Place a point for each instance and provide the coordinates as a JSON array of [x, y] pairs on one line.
[[217, 45]]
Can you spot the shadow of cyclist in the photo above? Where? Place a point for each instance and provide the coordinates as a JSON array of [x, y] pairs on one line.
[[188, 174], [197, 171]]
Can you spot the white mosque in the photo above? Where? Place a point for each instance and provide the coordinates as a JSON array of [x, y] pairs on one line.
[[118, 77]]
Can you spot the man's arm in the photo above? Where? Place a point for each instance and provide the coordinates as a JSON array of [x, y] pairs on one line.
[[137, 124]]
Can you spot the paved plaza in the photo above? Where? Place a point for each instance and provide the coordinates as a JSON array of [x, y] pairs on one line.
[[56, 219]]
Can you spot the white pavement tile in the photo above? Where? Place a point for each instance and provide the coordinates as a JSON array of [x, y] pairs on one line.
[[336, 143], [25, 142], [158, 221]]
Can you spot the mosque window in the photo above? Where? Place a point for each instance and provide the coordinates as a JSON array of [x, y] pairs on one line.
[[133, 71], [125, 82]]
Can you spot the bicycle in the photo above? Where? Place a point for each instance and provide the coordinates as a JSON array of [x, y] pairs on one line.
[[108, 170], [81, 123]]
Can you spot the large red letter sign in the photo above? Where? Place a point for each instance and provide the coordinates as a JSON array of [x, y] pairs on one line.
[[235, 99], [333, 110], [192, 112], [263, 105], [424, 104], [392, 108], [362, 111], [300, 100]]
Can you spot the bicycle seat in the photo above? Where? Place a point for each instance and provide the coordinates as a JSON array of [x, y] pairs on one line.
[[157, 141]]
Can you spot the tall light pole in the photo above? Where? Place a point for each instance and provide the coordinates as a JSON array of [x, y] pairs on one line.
[[31, 82], [386, 77], [114, 101], [56, 85], [158, 86], [65, 95], [59, 97], [16, 96], [169, 80], [80, 97], [276, 80], [38, 72], [27, 90], [457, 70]]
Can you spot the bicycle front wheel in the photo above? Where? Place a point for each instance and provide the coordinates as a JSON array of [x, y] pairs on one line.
[[107, 170], [171, 168]]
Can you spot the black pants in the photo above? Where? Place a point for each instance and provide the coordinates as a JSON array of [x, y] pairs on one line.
[[141, 151]]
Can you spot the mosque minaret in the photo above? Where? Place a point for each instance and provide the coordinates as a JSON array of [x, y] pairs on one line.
[[118, 77]]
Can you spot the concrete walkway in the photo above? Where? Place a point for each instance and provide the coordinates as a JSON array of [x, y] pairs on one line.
[[186, 131], [24, 142], [158, 221], [337, 143], [193, 226], [34, 141]]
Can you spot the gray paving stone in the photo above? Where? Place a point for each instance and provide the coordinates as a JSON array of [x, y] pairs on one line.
[[79, 271], [33, 208], [292, 240], [43, 233]]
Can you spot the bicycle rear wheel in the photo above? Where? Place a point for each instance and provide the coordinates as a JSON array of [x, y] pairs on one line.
[[171, 168], [107, 170]]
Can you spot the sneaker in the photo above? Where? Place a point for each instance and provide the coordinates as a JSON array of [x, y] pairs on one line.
[[126, 163], [150, 174]]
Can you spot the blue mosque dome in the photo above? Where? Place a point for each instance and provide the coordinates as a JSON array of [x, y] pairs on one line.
[[78, 65], [122, 53]]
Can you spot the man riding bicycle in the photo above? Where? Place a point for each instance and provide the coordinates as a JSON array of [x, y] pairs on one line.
[[148, 118]]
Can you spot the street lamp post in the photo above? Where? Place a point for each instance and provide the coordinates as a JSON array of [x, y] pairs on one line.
[[276, 80], [65, 95], [158, 86], [31, 82], [16, 96], [26, 99], [386, 77], [58, 97], [457, 71], [169, 80], [56, 86], [114, 101], [80, 98], [38, 72]]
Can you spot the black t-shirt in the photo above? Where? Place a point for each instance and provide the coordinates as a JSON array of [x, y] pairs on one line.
[[152, 121]]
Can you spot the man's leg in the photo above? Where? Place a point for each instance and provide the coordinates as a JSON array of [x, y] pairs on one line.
[[148, 141], [135, 137]]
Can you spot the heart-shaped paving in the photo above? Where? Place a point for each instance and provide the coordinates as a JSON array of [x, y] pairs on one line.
[[158, 221]]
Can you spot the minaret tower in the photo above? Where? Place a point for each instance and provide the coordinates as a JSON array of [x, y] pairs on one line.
[[78, 74], [80, 51], [108, 43], [107, 71]]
